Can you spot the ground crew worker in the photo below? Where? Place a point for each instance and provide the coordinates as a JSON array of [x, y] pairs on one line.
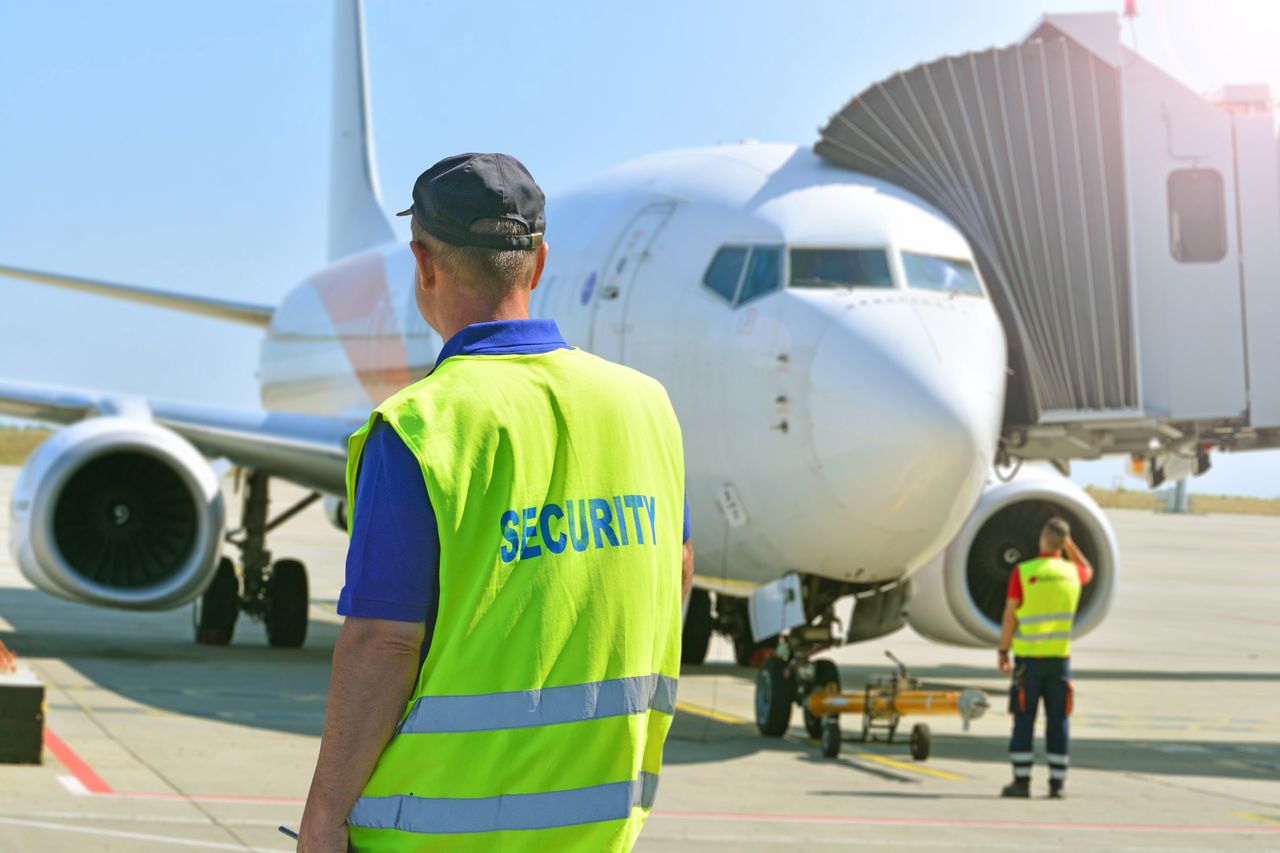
[[506, 674], [1038, 614]]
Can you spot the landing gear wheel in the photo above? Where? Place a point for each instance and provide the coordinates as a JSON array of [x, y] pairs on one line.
[[921, 741], [214, 613], [696, 636], [288, 599], [825, 673], [774, 695], [831, 737]]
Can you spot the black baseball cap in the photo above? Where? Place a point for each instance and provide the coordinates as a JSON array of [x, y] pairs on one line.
[[454, 193]]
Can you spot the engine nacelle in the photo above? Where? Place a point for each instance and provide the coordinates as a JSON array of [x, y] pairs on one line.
[[117, 512], [960, 594]]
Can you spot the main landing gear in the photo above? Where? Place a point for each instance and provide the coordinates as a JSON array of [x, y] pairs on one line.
[[275, 593]]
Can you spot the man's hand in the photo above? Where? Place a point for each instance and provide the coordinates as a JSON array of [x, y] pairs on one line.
[[1002, 659], [315, 838]]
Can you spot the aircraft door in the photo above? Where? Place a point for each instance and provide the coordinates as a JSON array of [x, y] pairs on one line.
[[619, 277]]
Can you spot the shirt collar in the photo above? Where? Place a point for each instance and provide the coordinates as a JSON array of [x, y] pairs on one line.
[[504, 337]]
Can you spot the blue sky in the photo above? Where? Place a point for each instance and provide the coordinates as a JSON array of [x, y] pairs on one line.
[[185, 145]]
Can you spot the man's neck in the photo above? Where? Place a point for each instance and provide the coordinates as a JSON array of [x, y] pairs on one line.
[[469, 315]]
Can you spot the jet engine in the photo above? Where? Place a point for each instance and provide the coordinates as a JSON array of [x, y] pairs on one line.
[[960, 595], [118, 512]]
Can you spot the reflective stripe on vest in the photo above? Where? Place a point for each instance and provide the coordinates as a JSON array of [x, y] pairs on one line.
[[545, 810], [549, 706], [1050, 593]]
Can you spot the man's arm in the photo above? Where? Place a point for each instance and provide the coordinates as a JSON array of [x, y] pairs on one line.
[[1075, 555], [1008, 624], [686, 582], [375, 665]]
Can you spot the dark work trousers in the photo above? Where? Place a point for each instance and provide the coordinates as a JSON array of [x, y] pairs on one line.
[[1036, 679]]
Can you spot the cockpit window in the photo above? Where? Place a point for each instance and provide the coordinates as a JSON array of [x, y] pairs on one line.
[[948, 275], [764, 274], [725, 271], [840, 268]]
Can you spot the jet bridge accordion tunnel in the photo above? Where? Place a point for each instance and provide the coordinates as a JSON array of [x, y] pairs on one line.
[[1109, 208]]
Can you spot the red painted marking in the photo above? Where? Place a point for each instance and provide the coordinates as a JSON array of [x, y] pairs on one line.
[[84, 774], [967, 824], [356, 297]]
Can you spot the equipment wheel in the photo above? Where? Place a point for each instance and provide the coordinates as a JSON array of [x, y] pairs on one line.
[[921, 741], [774, 696], [288, 599], [696, 636], [825, 673], [831, 737], [213, 614]]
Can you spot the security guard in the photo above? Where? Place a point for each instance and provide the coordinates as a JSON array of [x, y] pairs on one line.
[[506, 674], [1038, 615]]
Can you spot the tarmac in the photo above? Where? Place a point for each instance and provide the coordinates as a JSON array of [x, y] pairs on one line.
[[156, 744]]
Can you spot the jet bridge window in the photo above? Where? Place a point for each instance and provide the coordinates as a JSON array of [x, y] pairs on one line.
[[1197, 216], [827, 268], [947, 275]]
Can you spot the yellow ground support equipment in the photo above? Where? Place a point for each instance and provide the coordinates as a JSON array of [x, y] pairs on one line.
[[884, 702]]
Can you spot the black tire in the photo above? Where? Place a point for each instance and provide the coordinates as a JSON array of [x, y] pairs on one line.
[[213, 614], [696, 637], [288, 599], [775, 694], [825, 672], [831, 737], [921, 741]]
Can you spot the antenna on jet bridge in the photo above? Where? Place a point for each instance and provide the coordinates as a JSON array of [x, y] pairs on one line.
[[356, 218]]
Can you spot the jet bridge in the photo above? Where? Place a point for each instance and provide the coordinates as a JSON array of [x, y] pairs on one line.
[[1127, 227]]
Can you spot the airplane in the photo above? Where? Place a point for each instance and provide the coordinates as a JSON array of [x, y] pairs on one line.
[[825, 337]]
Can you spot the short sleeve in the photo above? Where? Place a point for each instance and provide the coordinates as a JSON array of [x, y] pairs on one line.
[[1086, 573], [393, 561], [687, 532], [1015, 585]]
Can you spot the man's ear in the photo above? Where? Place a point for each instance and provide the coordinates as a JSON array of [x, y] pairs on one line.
[[425, 268], [538, 266]]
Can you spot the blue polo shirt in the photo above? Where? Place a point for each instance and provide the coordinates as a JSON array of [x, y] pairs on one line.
[[393, 562]]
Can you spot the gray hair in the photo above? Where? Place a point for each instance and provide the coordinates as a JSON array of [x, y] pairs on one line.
[[492, 272]]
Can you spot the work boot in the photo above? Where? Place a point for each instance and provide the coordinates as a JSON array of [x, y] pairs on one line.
[[1057, 791], [1017, 788]]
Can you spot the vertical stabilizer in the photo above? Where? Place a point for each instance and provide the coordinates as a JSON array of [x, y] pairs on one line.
[[356, 218]]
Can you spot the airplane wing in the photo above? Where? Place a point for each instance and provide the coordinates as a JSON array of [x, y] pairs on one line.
[[310, 450]]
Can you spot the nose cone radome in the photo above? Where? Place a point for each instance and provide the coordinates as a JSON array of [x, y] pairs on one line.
[[906, 404]]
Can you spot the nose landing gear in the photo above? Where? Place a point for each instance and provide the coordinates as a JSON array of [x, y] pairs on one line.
[[275, 593]]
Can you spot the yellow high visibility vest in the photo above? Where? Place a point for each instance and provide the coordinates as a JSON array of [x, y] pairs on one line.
[[540, 712], [1050, 594]]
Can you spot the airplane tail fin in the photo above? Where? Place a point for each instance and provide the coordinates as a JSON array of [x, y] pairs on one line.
[[356, 218]]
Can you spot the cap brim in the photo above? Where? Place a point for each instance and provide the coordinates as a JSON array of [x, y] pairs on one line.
[[407, 211]]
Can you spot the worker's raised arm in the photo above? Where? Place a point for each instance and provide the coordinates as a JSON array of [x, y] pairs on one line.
[[1077, 556]]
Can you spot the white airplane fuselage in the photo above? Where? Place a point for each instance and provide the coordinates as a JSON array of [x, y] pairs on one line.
[[839, 432]]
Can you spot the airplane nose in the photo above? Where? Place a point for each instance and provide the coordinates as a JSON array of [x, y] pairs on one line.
[[910, 399]]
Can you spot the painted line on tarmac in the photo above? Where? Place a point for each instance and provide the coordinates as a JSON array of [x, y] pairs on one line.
[[914, 768], [711, 714], [133, 836], [83, 773], [960, 823], [1267, 819]]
